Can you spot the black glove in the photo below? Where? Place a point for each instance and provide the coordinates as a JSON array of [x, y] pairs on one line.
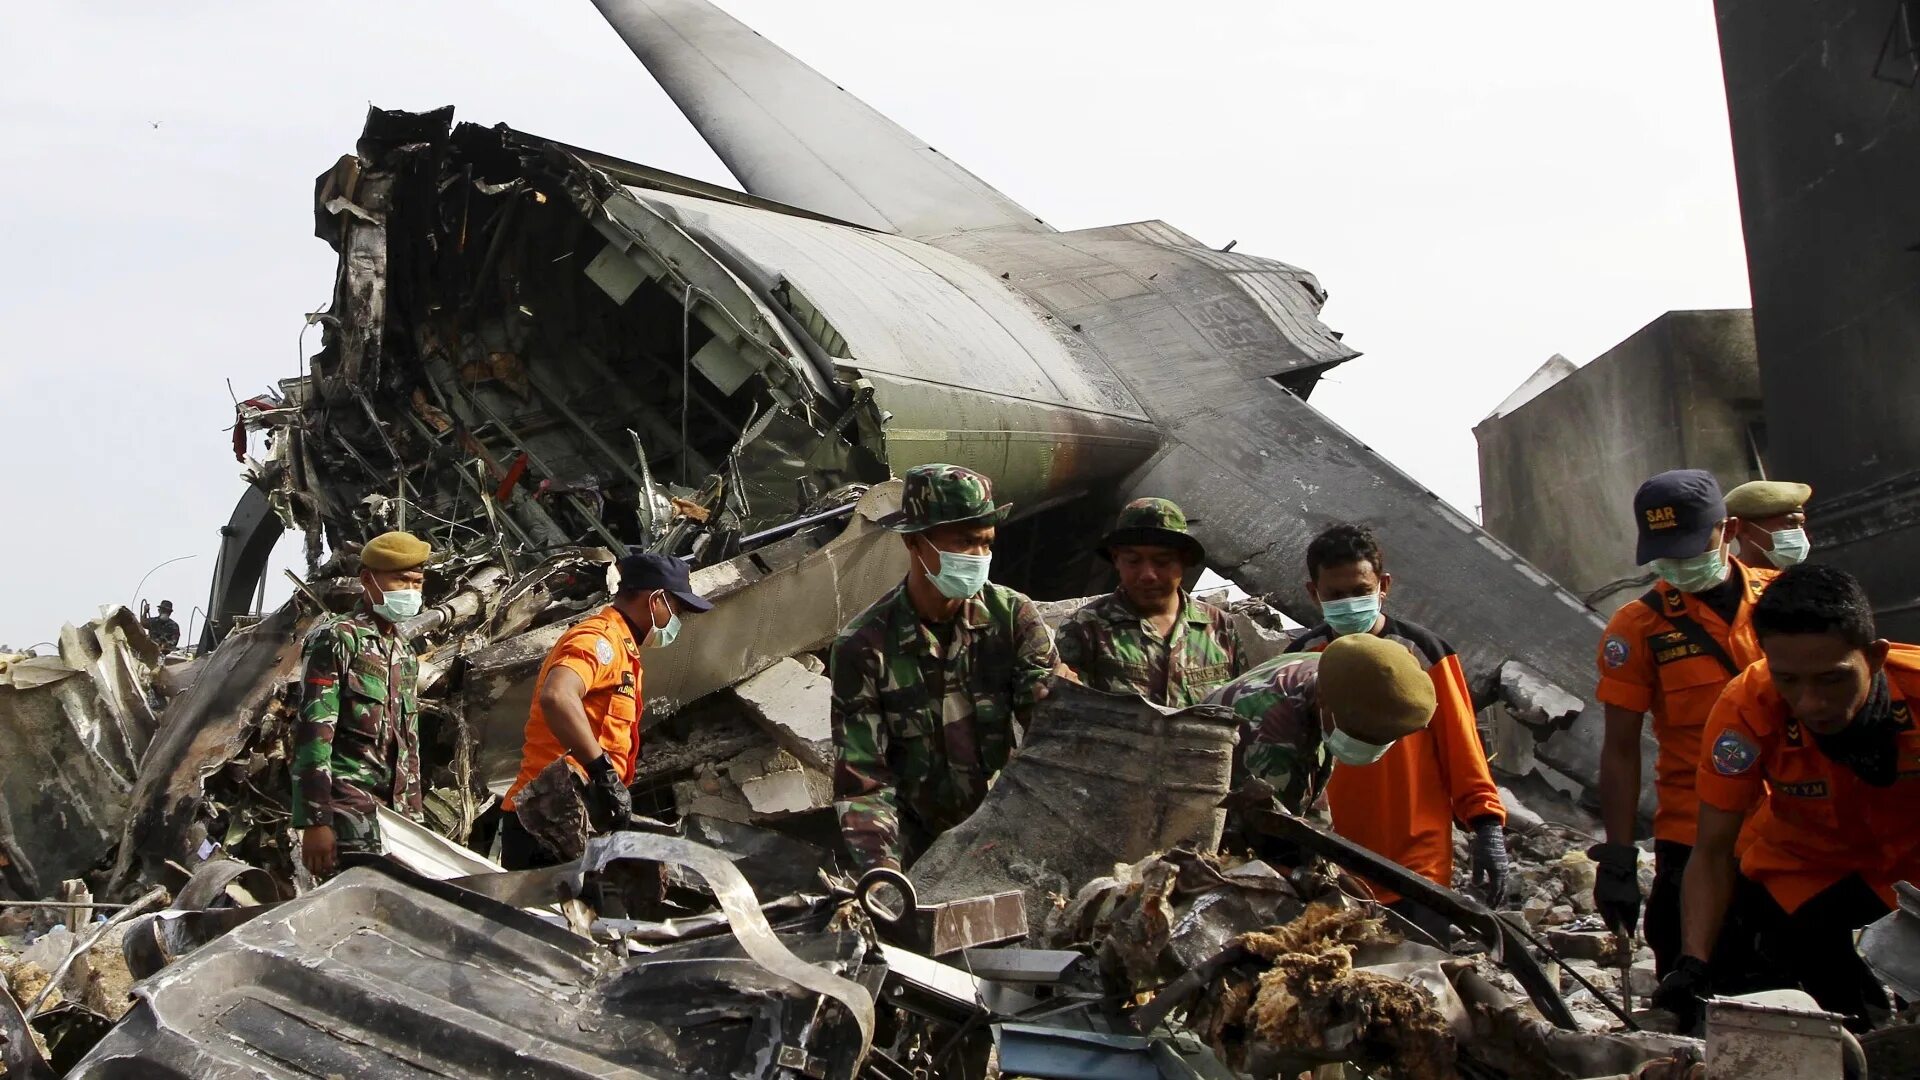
[[609, 804], [1616, 886], [1684, 992], [1489, 860]]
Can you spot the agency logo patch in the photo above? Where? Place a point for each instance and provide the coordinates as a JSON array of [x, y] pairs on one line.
[[1616, 650], [1733, 754], [604, 650]]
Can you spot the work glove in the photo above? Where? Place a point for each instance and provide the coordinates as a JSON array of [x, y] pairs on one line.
[[609, 804], [1684, 992], [1616, 886], [1489, 860]]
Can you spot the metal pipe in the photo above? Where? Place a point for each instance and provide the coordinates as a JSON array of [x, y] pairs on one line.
[[158, 895], [797, 524]]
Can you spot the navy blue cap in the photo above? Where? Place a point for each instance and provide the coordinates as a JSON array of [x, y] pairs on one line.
[[646, 571], [1675, 513]]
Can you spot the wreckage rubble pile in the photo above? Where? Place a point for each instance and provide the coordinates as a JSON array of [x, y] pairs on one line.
[[1257, 970]]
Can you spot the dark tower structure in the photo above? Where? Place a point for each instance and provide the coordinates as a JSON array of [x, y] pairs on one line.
[[1826, 141]]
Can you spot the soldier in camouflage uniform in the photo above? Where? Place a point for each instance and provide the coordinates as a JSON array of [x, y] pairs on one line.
[[162, 629], [930, 682], [357, 742], [1301, 713], [1150, 636]]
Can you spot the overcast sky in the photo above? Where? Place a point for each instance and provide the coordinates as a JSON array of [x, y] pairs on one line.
[[1477, 185]]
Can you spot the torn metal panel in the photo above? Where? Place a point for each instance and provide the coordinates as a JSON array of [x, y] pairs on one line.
[[345, 979], [426, 852], [206, 727], [1778, 1035], [1101, 779], [1891, 944], [74, 727]]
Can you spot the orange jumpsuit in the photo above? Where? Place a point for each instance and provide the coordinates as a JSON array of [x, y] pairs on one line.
[[1404, 805], [1813, 822], [1647, 663], [601, 650]]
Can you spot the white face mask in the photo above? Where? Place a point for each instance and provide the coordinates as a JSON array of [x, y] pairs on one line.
[[398, 605], [663, 636], [960, 575], [1790, 547], [1348, 750]]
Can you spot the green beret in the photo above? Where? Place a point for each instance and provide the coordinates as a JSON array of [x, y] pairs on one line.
[[393, 551], [1767, 498], [1375, 690]]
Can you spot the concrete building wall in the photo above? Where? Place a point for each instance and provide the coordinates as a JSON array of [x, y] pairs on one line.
[[1826, 143], [1557, 473]]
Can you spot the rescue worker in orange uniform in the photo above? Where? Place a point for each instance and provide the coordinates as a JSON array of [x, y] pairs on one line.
[[1773, 523], [1816, 749], [1404, 803], [587, 703], [1669, 652]]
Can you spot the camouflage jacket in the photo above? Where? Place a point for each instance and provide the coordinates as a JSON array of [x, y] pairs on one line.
[[1113, 649], [924, 717], [357, 740], [1278, 706], [164, 632]]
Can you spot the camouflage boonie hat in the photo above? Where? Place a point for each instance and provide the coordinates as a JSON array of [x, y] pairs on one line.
[[1153, 523], [944, 495]]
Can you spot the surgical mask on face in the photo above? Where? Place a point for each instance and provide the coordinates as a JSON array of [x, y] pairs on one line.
[[1348, 750], [960, 575], [1790, 547], [1696, 574], [398, 605], [663, 636], [1354, 615]]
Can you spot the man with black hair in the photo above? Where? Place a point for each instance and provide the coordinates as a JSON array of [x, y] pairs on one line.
[[1669, 653], [1150, 636], [1814, 748], [1402, 800]]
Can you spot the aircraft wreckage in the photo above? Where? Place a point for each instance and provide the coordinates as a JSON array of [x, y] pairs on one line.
[[538, 355]]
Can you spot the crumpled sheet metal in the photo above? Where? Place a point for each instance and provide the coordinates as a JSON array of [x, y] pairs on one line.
[[1891, 944], [743, 913], [384, 973], [758, 619], [1102, 779], [73, 729], [206, 727]]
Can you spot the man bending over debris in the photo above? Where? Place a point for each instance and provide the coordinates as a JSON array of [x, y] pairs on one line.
[[1671, 651], [357, 742], [1150, 636], [1404, 805], [1304, 716], [586, 701], [1818, 742], [929, 682]]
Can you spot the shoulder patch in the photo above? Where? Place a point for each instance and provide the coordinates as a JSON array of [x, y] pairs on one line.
[[1616, 650], [1734, 754], [603, 649]]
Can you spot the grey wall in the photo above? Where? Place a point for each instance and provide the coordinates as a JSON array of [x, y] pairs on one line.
[[1557, 475], [1828, 159]]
